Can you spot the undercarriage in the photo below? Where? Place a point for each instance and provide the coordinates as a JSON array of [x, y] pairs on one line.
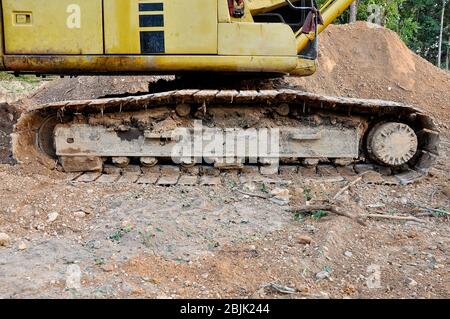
[[194, 131]]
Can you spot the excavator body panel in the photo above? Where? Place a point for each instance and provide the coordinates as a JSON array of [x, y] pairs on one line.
[[77, 37]]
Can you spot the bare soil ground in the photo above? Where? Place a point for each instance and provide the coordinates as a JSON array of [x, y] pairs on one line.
[[126, 240]]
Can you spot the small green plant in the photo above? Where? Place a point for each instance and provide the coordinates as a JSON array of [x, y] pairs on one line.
[[441, 212], [118, 234], [99, 261], [299, 217], [307, 193], [318, 214], [127, 229], [264, 188]]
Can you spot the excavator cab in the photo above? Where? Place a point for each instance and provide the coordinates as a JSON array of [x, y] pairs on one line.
[[160, 36]]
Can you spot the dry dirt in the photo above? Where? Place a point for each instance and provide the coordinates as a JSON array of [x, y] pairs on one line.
[[146, 241]]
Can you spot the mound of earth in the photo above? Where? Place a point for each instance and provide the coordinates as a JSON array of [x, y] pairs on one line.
[[87, 87], [367, 61]]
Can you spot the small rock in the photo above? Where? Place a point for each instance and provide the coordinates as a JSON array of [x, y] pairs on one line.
[[79, 214], [205, 276], [52, 217], [280, 196], [22, 246], [108, 268], [322, 275], [73, 277], [348, 254], [446, 191], [304, 240], [4, 239], [412, 283]]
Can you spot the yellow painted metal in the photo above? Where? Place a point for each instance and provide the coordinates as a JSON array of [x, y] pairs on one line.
[[2, 66], [305, 67], [53, 27], [271, 39], [223, 12], [190, 26], [143, 64], [262, 6], [333, 11], [199, 35], [122, 27]]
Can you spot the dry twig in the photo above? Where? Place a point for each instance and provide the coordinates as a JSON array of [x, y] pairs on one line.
[[326, 207], [251, 194], [405, 218], [346, 187]]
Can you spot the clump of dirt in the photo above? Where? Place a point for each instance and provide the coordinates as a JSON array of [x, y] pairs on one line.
[[367, 61]]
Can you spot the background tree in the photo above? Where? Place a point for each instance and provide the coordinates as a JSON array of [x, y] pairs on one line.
[[354, 11], [439, 57]]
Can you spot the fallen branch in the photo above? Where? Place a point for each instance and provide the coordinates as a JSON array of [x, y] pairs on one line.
[[251, 194], [404, 218], [329, 208], [346, 187], [279, 288]]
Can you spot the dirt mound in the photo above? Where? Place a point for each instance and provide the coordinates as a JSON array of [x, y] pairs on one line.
[[366, 61], [87, 87]]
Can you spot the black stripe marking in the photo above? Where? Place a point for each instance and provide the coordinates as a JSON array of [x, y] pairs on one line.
[[152, 42], [151, 21], [151, 6]]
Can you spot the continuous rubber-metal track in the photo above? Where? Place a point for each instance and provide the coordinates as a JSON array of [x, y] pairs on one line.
[[28, 145]]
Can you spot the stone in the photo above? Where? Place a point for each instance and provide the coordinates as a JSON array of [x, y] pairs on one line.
[[22, 246], [108, 268], [322, 275], [280, 196], [73, 277], [52, 217], [412, 283], [304, 240], [446, 191], [348, 254], [79, 214], [4, 239]]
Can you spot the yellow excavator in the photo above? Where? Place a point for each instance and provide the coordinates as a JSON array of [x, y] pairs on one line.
[[228, 56]]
